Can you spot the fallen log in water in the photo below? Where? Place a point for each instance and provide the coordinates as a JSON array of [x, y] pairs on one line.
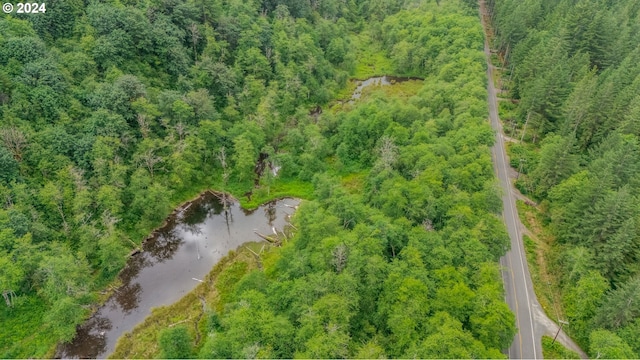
[[268, 238]]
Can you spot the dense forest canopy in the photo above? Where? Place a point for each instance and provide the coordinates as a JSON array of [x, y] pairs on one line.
[[575, 71], [113, 112]]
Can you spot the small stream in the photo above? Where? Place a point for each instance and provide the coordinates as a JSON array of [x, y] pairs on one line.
[[177, 255]]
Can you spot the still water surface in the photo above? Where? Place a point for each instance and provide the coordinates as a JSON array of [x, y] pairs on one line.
[[186, 248]]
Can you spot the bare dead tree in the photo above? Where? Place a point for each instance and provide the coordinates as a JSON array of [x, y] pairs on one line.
[[524, 129], [150, 160], [108, 220], [268, 52], [59, 199], [222, 157], [144, 125], [14, 140], [9, 297], [427, 225], [7, 200], [340, 254], [78, 178], [388, 152], [251, 352], [181, 130], [195, 36]]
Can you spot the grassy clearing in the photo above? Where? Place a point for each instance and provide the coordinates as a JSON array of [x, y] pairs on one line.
[[190, 311], [17, 336], [538, 245], [354, 183], [403, 91], [280, 189], [345, 93], [556, 351], [371, 59]]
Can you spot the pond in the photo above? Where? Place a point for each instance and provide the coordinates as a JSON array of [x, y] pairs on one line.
[[174, 259]]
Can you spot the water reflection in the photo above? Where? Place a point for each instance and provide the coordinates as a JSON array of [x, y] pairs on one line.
[[128, 296], [270, 212], [93, 334], [187, 247]]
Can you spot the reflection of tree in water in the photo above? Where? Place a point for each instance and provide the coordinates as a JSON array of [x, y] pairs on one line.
[[128, 296], [201, 209], [90, 340], [270, 212], [197, 213], [134, 265], [215, 206], [162, 246], [195, 229]]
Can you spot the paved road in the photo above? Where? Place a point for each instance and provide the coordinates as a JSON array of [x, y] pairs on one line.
[[517, 281], [531, 320]]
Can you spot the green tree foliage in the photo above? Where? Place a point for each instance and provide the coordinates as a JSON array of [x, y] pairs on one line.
[[573, 67], [9, 166], [404, 267], [583, 300], [620, 306], [556, 163], [113, 113], [606, 344], [175, 343]]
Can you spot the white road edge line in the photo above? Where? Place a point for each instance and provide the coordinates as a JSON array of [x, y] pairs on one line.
[[518, 238]]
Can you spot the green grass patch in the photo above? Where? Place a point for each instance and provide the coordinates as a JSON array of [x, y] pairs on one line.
[[371, 59], [531, 249], [556, 350], [280, 189], [373, 63], [22, 333], [354, 183], [540, 285], [525, 214], [346, 92], [401, 90]]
